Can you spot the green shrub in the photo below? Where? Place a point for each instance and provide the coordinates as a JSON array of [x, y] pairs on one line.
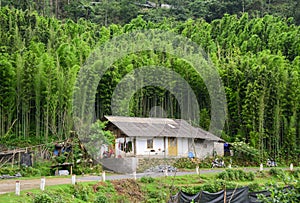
[[189, 163], [9, 171], [254, 187], [296, 173], [218, 185], [43, 198], [101, 199], [97, 169], [261, 174], [238, 175], [245, 155], [279, 194], [250, 176], [80, 191], [147, 179], [30, 172], [44, 167], [276, 172]]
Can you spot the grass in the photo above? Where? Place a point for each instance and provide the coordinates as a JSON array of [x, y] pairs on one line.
[[156, 190], [26, 195]]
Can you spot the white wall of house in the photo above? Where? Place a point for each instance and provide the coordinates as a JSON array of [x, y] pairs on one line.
[[158, 146], [219, 148], [203, 148], [206, 148], [182, 147], [141, 146]]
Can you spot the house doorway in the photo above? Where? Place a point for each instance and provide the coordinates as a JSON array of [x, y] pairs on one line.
[[172, 146]]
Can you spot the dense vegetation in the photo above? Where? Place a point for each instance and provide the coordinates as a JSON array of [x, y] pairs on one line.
[[257, 58], [122, 11]]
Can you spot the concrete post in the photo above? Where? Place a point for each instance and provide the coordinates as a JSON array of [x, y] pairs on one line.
[[18, 188], [43, 183], [261, 167], [197, 170], [166, 172], [103, 176], [73, 179], [134, 175], [291, 167]]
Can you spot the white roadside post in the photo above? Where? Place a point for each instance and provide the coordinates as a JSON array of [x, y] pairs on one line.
[[43, 183], [261, 168], [197, 170], [103, 176], [134, 175], [166, 172], [291, 167], [73, 179], [18, 188]]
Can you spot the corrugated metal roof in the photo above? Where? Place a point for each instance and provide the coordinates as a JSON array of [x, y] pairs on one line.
[[159, 127]]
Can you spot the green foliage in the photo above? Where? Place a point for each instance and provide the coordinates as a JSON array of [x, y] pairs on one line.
[[236, 175], [81, 191], [188, 163], [296, 173], [211, 186], [257, 58], [30, 172], [101, 199], [9, 171], [96, 137], [246, 154], [43, 198], [147, 179], [122, 11], [277, 172], [279, 194]]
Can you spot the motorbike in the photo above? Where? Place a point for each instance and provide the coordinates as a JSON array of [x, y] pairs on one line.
[[271, 163], [218, 163]]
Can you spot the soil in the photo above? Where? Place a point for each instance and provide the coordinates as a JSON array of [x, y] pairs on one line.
[[129, 188]]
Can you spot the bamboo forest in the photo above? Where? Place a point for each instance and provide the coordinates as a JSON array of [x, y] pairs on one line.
[[257, 55]]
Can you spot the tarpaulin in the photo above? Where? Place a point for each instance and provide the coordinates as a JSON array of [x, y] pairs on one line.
[[238, 195]]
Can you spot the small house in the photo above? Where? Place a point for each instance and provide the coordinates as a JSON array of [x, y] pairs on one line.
[[161, 137]]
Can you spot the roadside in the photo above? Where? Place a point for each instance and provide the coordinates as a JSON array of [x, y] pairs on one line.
[[7, 186]]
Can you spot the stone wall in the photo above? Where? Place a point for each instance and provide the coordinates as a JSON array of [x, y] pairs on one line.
[[120, 165], [146, 163]]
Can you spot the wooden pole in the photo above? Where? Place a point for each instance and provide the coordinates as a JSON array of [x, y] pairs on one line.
[[32, 159], [225, 194], [13, 159], [19, 161]]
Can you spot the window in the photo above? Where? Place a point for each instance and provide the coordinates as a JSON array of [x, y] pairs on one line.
[[149, 143], [199, 141]]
